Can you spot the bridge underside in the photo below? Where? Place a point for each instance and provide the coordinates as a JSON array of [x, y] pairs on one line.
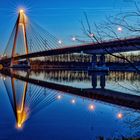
[[92, 50], [112, 50], [97, 49], [102, 48]]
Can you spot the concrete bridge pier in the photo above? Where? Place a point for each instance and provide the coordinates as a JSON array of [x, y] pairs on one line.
[[98, 64], [94, 60], [102, 60]]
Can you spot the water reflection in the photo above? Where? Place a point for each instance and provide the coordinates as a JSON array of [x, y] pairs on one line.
[[20, 109], [26, 99], [119, 115], [126, 82], [98, 77], [98, 80], [118, 81], [68, 76], [62, 114]]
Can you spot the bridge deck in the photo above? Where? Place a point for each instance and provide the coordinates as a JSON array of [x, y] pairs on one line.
[[116, 46]]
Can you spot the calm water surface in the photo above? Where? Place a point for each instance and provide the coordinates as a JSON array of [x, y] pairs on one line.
[[32, 112]]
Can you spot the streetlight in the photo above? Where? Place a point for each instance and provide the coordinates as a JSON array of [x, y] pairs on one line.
[[21, 10], [91, 35], [60, 41], [119, 29], [73, 38]]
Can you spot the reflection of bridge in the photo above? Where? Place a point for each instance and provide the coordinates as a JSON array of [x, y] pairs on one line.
[[29, 99], [71, 76], [36, 45], [102, 94]]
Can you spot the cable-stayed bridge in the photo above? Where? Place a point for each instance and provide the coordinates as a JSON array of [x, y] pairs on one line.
[[29, 40]]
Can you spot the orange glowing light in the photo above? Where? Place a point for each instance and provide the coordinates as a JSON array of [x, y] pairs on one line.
[[19, 126], [21, 10], [22, 116], [23, 17]]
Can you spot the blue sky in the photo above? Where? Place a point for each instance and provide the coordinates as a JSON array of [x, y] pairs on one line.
[[61, 18]]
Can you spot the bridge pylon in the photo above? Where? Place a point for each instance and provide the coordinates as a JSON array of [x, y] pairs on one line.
[[20, 24]]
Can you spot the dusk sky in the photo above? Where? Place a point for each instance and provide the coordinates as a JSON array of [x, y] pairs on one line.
[[61, 18], [69, 69]]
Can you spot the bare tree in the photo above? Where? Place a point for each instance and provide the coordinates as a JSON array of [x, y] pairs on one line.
[[107, 31]]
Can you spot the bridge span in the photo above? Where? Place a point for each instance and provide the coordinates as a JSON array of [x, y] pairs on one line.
[[117, 46], [97, 48]]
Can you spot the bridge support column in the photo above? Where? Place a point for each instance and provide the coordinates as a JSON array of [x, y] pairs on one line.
[[102, 60], [94, 60], [98, 66]]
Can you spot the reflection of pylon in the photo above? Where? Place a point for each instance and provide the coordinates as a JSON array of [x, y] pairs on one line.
[[28, 100], [20, 109], [21, 23]]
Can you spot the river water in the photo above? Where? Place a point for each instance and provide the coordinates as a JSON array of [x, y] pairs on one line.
[[29, 111]]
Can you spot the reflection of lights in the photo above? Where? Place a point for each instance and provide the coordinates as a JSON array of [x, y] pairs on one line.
[[119, 29], [4, 78], [119, 115], [22, 116], [73, 101], [19, 126], [59, 97], [91, 107]]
